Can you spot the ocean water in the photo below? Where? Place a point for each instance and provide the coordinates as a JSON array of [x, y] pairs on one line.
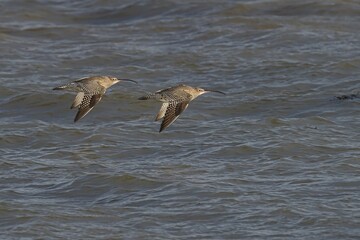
[[276, 158]]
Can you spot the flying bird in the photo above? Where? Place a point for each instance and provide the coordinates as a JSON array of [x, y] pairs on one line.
[[174, 101], [89, 92]]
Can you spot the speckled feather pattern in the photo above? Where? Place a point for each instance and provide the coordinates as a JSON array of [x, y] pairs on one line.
[[90, 91], [175, 100]]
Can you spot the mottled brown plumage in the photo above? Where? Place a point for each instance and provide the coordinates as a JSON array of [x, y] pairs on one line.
[[89, 92], [174, 101]]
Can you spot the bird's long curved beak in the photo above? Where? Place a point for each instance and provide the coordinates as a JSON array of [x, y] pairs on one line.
[[128, 80], [209, 90]]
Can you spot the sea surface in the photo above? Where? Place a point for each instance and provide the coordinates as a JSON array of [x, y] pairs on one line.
[[278, 157]]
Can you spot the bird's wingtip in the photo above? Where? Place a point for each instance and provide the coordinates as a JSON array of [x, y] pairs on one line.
[[77, 117], [60, 87]]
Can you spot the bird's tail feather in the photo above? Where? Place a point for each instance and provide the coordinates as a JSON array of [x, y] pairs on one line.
[[60, 87], [66, 86], [146, 97]]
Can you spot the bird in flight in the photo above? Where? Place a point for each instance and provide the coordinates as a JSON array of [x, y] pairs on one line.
[[89, 92], [174, 101]]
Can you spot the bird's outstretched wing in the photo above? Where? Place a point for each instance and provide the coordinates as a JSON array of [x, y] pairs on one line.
[[78, 100], [87, 104], [162, 111], [173, 111]]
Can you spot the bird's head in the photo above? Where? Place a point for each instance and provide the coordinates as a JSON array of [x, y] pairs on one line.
[[113, 80], [200, 91], [116, 80], [107, 81]]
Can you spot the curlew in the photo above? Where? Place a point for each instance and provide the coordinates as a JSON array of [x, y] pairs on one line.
[[89, 92], [174, 101]]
